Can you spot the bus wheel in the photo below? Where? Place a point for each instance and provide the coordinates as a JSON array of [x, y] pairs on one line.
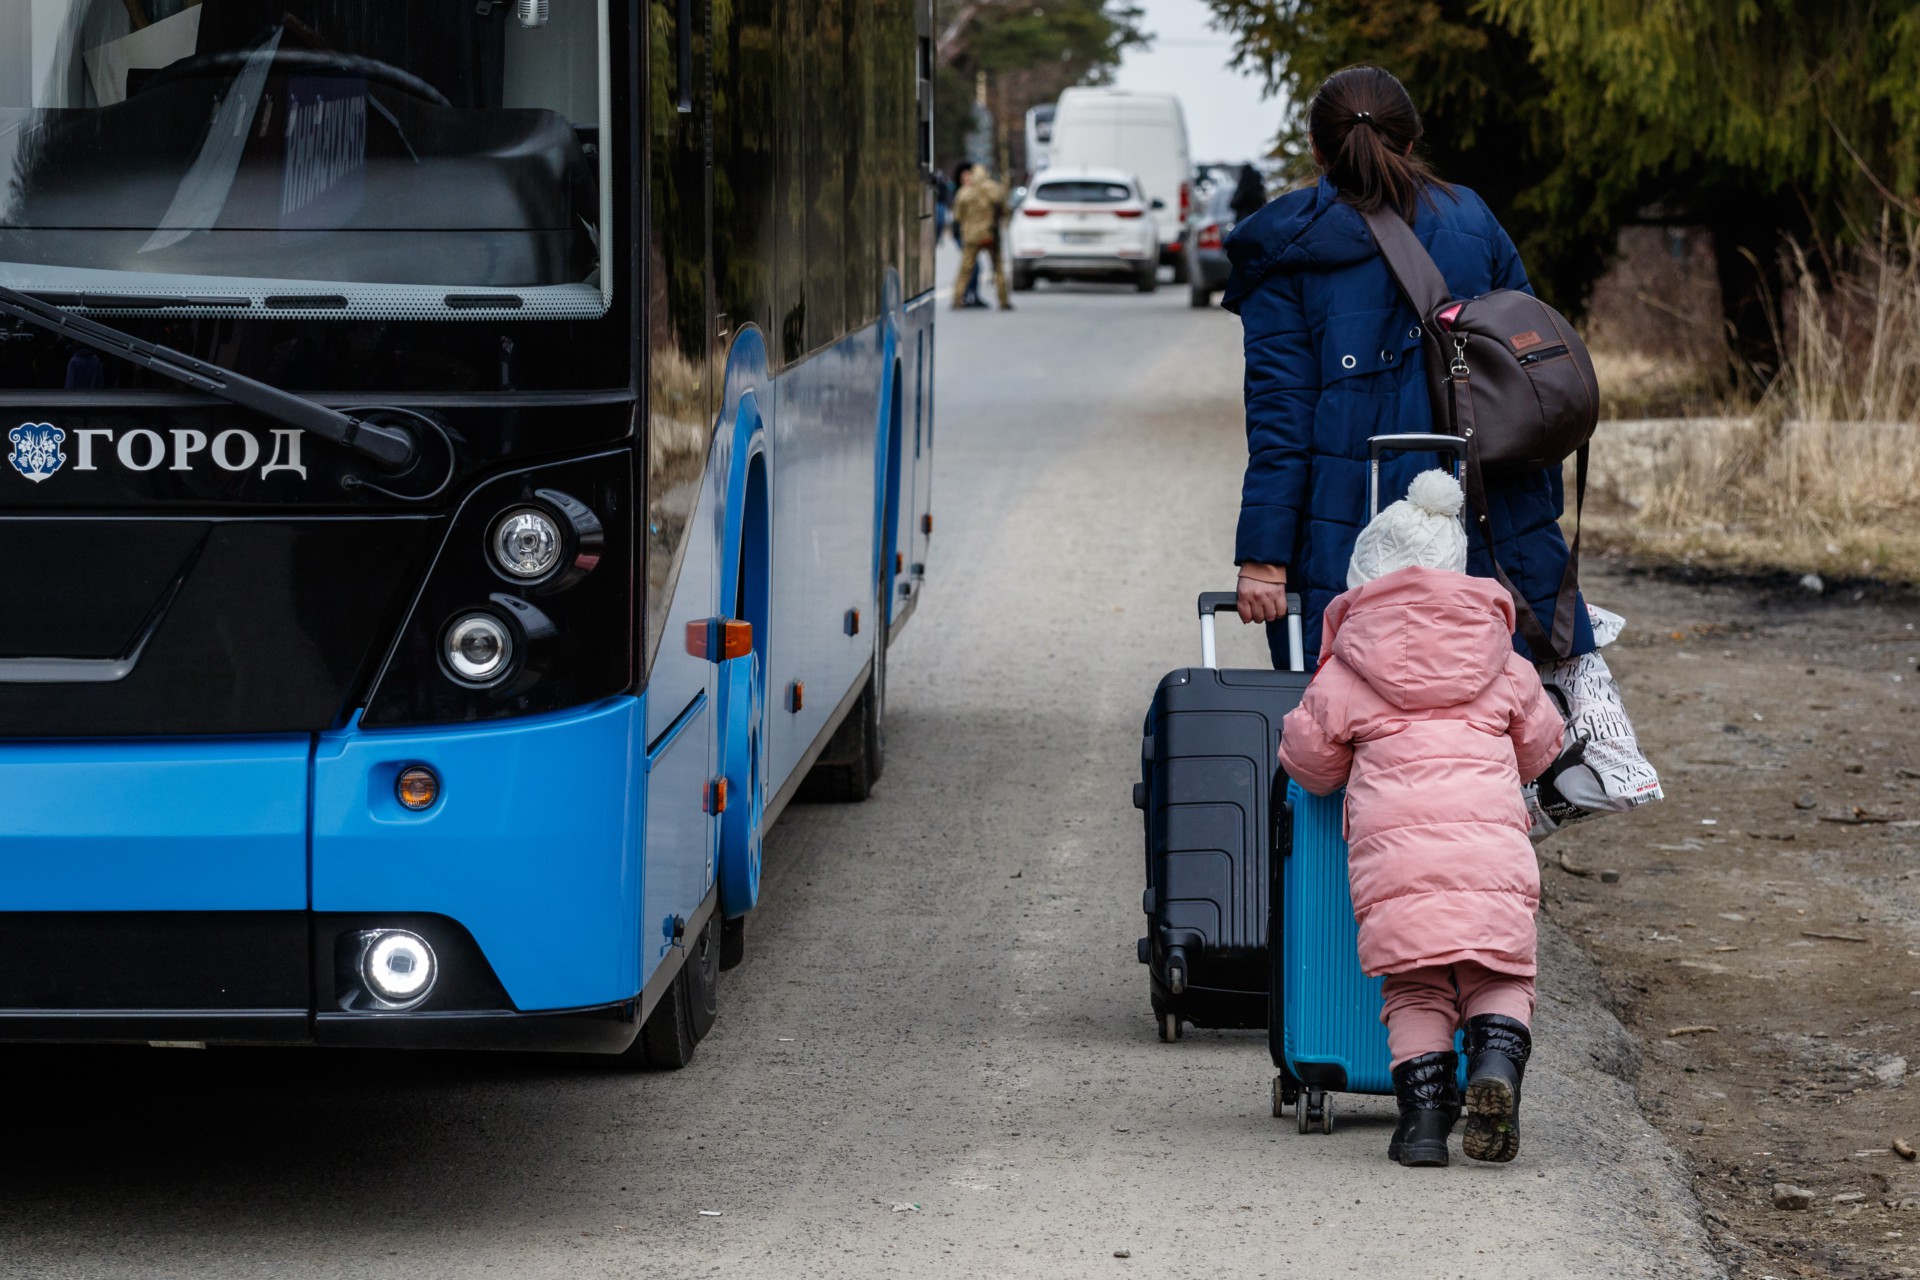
[[850, 766], [665, 1042], [686, 1013], [701, 977], [733, 943]]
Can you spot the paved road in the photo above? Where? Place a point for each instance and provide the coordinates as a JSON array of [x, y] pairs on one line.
[[942, 1008]]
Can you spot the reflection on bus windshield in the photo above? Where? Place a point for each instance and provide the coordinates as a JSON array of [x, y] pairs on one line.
[[411, 158]]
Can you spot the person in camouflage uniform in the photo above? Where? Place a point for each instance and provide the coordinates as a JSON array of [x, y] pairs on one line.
[[980, 209]]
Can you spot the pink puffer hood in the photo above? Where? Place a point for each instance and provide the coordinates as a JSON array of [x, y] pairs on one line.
[[1423, 638]]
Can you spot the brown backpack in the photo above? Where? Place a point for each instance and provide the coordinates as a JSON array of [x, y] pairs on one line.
[[1507, 374]]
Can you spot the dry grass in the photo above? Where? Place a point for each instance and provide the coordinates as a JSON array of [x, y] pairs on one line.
[[1826, 477], [1635, 384]]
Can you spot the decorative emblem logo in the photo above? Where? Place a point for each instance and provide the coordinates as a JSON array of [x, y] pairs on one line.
[[36, 450]]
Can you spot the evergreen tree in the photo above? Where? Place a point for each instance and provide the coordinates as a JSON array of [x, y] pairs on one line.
[[1753, 118]]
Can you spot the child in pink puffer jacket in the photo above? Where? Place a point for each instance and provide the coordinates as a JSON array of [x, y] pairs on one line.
[[1424, 712]]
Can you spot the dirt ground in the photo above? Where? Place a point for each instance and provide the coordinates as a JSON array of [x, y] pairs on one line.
[[1762, 939]]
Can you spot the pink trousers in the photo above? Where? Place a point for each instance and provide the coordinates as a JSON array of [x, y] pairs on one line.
[[1424, 1007]]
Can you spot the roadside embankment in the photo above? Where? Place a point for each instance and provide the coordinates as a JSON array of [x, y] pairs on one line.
[[1732, 495]]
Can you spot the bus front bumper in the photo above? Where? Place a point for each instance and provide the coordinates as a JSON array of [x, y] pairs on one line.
[[227, 891]]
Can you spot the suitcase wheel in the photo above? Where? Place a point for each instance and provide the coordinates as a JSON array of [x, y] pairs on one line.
[[1314, 1109], [1169, 1027], [1286, 1093]]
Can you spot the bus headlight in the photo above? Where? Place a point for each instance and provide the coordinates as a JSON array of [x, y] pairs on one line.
[[477, 648], [398, 967], [527, 543]]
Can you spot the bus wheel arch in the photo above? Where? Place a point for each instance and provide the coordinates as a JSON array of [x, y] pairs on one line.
[[743, 713]]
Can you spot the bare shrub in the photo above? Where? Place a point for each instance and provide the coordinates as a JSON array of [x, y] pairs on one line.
[[1655, 329], [1852, 351], [1825, 473]]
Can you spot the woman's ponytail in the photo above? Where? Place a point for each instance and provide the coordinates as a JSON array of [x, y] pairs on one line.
[[1364, 125]]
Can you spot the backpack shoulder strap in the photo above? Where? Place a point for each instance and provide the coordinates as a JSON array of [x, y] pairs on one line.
[[1409, 263]]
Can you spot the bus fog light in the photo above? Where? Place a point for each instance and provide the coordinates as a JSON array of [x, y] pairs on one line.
[[477, 648], [527, 543], [417, 788], [398, 967]]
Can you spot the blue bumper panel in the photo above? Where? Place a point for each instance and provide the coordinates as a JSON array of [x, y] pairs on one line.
[[533, 844], [166, 825]]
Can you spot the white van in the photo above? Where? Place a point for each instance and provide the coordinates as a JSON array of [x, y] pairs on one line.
[[1144, 134], [1039, 136]]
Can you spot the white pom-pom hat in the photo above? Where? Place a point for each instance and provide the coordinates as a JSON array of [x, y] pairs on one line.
[[1421, 529]]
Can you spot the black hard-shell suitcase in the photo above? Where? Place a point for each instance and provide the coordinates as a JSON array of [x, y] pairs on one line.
[[1208, 761]]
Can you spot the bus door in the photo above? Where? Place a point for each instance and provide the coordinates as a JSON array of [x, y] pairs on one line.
[[681, 389]]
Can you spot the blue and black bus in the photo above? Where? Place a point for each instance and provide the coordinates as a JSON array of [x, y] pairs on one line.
[[466, 463]]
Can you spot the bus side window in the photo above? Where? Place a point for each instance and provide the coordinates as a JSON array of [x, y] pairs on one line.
[[683, 58]]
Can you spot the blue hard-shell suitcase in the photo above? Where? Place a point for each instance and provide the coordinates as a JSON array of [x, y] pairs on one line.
[[1323, 1021], [1323, 1018]]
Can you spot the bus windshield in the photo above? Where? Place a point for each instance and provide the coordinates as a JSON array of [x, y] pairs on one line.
[[372, 159]]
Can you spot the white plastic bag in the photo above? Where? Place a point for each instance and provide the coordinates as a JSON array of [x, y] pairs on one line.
[[1600, 769]]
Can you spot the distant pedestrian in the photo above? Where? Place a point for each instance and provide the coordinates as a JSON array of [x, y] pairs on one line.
[[942, 204], [1249, 194], [1430, 720], [1333, 358], [962, 173], [980, 211]]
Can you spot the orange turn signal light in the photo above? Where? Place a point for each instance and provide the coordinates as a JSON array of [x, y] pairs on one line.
[[417, 788], [719, 639], [853, 622], [797, 695], [716, 796]]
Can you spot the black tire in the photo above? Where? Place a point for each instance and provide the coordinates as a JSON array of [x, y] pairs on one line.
[[1200, 298], [701, 980], [666, 1041], [1147, 279], [1182, 269], [686, 1013], [850, 766], [733, 943], [1022, 280]]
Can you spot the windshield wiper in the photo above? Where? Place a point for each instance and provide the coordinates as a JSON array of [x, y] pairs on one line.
[[390, 446]]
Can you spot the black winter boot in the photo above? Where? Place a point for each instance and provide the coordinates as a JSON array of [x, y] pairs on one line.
[[1497, 1052], [1428, 1090]]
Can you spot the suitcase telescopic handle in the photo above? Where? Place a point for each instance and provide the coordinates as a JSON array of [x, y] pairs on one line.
[[1408, 442], [1212, 602]]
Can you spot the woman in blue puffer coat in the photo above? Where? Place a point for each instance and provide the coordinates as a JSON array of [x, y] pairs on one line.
[[1334, 358]]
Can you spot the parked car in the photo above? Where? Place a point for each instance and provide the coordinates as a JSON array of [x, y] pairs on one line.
[[1085, 222], [1141, 134], [1207, 244]]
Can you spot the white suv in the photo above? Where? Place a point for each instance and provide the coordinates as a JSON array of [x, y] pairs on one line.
[[1085, 222]]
